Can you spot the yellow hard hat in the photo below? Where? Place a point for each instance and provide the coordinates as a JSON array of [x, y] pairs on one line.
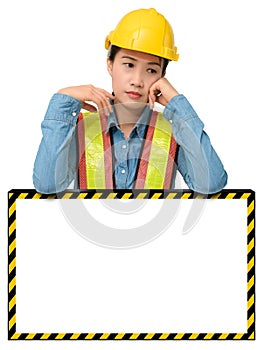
[[144, 30]]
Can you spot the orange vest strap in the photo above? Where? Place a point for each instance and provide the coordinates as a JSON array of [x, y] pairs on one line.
[[87, 173]]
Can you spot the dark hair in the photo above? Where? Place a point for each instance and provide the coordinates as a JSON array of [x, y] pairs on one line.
[[113, 50]]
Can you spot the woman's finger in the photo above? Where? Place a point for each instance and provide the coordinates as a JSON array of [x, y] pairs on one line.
[[89, 107]]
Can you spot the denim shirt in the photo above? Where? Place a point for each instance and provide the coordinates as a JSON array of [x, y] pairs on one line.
[[56, 162]]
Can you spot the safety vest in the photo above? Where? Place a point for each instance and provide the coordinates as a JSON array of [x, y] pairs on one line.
[[96, 165]]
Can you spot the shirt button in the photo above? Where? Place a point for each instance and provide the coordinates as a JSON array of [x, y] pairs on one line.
[[74, 114], [123, 171], [171, 121], [123, 146]]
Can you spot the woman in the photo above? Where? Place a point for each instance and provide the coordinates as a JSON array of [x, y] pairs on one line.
[[123, 142]]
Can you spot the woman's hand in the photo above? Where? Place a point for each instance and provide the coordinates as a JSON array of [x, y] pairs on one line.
[[90, 93], [162, 92]]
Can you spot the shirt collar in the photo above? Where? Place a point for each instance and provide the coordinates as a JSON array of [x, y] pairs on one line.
[[140, 124]]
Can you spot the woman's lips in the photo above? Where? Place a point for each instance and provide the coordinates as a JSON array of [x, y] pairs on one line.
[[133, 94]]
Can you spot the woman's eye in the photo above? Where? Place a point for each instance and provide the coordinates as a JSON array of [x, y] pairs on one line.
[[151, 70], [129, 65]]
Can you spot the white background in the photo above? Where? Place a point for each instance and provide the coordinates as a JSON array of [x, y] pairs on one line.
[[193, 283], [52, 44]]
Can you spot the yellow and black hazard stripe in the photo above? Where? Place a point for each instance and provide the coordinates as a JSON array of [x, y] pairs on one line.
[[247, 195]]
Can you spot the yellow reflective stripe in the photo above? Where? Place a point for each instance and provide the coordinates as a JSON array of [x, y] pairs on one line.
[[158, 159], [94, 151]]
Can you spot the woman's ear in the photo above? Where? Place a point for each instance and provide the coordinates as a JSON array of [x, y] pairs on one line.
[[109, 66]]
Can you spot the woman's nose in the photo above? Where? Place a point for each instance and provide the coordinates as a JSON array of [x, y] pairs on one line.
[[137, 79]]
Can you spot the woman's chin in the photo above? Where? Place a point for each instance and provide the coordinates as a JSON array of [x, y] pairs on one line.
[[131, 105]]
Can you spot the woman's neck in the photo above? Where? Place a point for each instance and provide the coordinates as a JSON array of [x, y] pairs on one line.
[[128, 115]]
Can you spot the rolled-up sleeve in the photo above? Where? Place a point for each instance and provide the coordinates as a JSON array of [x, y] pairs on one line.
[[56, 161], [198, 162]]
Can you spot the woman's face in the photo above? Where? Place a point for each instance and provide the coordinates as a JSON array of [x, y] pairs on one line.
[[133, 73]]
